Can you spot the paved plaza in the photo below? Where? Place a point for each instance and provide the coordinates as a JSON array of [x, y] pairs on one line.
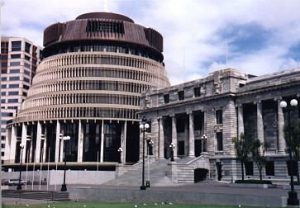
[[207, 192]]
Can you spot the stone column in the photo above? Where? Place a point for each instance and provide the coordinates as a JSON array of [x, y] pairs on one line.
[[98, 140], [24, 141], [260, 124], [174, 135], [209, 124], [38, 142], [57, 139], [280, 126], [161, 140], [123, 142], [80, 143], [13, 144], [102, 142], [191, 135], [45, 150], [61, 151], [241, 129]]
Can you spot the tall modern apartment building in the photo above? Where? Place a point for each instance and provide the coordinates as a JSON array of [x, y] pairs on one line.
[[19, 60], [88, 87]]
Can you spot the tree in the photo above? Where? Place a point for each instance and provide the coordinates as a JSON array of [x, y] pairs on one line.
[[242, 149], [258, 156]]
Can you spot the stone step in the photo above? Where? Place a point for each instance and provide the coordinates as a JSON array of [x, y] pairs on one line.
[[159, 174]]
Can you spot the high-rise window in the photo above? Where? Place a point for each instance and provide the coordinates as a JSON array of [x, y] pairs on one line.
[[27, 58], [16, 46], [14, 78], [14, 71], [26, 80], [13, 86], [27, 47], [12, 100], [26, 87], [15, 63], [15, 56], [13, 93]]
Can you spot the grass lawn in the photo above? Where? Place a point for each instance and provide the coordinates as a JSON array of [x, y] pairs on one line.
[[116, 205]]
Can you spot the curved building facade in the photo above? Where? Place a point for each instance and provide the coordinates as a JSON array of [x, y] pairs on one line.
[[88, 86]]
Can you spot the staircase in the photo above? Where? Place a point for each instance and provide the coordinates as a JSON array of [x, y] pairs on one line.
[[160, 174], [183, 169]]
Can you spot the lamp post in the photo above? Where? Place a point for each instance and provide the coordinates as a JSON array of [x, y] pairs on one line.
[[149, 144], [19, 186], [120, 150], [64, 185], [172, 146], [144, 126], [292, 198]]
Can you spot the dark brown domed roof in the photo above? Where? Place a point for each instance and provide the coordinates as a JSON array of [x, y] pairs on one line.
[[105, 15]]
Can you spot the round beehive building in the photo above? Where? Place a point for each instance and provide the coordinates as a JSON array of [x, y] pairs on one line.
[[88, 87]]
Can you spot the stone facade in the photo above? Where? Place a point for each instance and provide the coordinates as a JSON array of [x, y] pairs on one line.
[[201, 117]]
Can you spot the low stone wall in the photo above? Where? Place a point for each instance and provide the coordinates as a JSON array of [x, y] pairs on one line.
[[56, 177], [166, 196]]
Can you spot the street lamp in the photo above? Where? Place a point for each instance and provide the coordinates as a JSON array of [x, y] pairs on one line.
[[120, 150], [144, 126], [292, 198], [172, 146], [19, 186], [149, 144], [64, 185]]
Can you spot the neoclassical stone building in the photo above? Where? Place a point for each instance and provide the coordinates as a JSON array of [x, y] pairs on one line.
[[88, 86], [201, 117]]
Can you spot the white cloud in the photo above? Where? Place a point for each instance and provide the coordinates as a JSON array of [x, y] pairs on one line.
[[192, 45]]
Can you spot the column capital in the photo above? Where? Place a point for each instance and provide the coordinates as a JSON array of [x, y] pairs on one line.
[[257, 102], [278, 98], [189, 112]]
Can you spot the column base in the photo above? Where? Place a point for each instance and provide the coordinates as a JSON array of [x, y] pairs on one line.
[[63, 187], [143, 187], [148, 184], [19, 187]]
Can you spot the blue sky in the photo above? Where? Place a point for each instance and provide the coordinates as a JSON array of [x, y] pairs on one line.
[[200, 36]]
